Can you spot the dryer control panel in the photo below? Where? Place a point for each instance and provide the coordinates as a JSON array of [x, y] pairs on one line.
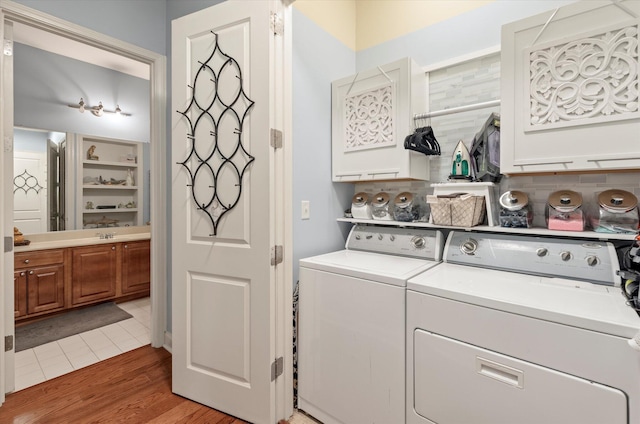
[[412, 242], [593, 261]]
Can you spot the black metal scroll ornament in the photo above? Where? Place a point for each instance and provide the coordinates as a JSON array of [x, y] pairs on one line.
[[236, 108], [26, 182]]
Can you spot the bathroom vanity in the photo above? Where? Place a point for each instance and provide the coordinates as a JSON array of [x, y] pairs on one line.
[[65, 270]]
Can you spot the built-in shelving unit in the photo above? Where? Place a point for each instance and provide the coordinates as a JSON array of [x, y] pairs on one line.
[[103, 182], [485, 228]]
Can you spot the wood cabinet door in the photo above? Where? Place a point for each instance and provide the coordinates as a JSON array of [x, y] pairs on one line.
[[136, 267], [20, 293], [45, 288], [94, 273]]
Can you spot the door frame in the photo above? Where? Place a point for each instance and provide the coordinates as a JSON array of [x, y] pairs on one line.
[[14, 12]]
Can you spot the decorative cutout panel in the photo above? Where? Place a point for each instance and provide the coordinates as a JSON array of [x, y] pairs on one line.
[[585, 80], [369, 118], [216, 116], [26, 182]]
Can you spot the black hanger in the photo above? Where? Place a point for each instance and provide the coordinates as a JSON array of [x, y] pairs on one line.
[[424, 141]]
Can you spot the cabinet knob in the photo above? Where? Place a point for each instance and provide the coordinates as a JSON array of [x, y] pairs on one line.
[[113, 248], [126, 245], [30, 272], [26, 261], [22, 274]]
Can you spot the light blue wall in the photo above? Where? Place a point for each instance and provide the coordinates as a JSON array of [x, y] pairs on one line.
[[318, 59], [139, 22], [470, 32]]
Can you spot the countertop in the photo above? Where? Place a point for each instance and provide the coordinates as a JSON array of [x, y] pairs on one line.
[[72, 238]]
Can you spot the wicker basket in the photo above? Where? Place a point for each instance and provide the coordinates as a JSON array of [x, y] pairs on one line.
[[460, 210]]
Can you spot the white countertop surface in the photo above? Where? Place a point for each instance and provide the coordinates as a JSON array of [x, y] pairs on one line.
[[61, 239]]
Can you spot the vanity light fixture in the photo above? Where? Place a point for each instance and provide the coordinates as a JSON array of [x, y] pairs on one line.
[[97, 110]]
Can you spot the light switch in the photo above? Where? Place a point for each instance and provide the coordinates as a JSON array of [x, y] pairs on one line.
[[305, 212]]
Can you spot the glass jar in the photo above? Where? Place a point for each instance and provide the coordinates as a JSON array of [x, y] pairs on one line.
[[617, 212], [405, 208], [360, 207], [515, 210], [564, 211], [381, 207]]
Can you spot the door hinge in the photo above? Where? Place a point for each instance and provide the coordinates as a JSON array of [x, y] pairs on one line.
[[276, 255], [277, 367], [8, 244], [277, 26], [8, 343], [276, 138]]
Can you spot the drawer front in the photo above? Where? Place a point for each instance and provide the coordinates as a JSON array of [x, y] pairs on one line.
[[44, 257]]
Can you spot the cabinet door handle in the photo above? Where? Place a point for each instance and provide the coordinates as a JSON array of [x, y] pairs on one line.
[[126, 245], [26, 261], [113, 248], [22, 274], [30, 272]]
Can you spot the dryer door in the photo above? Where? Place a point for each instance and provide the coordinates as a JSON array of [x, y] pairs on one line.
[[459, 383]]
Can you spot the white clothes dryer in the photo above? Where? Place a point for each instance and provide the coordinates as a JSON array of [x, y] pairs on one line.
[[521, 329], [351, 326]]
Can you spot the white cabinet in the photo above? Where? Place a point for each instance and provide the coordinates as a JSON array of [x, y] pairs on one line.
[[569, 84], [110, 183], [372, 113]]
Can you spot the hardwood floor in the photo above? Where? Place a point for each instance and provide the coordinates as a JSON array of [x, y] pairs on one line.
[[134, 387]]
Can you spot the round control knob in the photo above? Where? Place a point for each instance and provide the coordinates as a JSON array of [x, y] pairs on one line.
[[418, 242], [565, 256], [542, 252], [592, 260], [379, 236], [392, 237], [358, 237], [469, 246]]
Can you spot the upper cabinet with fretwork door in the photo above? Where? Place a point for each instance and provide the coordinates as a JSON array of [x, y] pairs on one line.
[[569, 83], [372, 113]]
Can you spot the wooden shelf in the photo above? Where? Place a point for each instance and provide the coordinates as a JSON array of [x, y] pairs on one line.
[[108, 187], [488, 229], [101, 163], [105, 211]]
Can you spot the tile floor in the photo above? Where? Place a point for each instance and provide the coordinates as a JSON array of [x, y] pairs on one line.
[[51, 360]]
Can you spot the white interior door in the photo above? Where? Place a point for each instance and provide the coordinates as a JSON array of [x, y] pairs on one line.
[[30, 191], [223, 330]]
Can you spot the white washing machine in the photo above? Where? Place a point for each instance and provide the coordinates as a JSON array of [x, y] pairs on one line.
[[351, 326], [520, 329]]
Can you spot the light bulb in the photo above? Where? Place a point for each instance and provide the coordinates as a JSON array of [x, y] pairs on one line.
[[81, 109], [118, 110]]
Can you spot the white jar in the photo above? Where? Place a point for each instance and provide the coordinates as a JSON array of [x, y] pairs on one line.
[[360, 207]]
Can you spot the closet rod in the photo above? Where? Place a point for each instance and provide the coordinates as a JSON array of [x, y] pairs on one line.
[[458, 109]]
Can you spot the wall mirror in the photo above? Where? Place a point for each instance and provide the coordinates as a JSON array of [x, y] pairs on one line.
[[49, 77]]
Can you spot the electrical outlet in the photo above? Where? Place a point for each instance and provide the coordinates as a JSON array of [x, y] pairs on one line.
[[305, 212]]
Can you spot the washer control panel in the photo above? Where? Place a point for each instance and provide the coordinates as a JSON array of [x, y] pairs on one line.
[[413, 242], [593, 261]]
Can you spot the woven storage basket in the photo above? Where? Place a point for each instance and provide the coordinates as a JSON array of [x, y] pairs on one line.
[[461, 210]]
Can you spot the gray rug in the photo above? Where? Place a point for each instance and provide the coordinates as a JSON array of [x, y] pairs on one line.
[[74, 322]]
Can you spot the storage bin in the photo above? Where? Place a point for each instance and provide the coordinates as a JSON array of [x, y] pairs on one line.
[[460, 209]]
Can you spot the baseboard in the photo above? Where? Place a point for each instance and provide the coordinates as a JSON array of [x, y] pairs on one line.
[[167, 341]]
